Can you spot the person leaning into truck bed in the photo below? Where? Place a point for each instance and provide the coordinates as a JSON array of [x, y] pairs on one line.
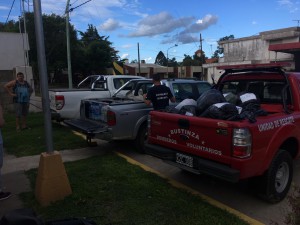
[[158, 95]]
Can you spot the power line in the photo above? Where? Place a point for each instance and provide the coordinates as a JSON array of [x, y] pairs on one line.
[[298, 21], [12, 5], [71, 9]]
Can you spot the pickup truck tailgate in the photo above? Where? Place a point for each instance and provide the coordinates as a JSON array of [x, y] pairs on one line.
[[85, 126], [207, 138]]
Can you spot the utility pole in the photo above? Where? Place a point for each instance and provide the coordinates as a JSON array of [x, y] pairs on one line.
[[168, 59], [25, 32], [298, 21], [39, 33], [138, 45], [202, 57], [68, 45], [67, 12]]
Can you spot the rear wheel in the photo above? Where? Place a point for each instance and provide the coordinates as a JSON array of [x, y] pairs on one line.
[[275, 183], [141, 139]]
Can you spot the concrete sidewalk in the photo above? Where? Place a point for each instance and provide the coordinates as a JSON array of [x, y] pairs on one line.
[[15, 180]]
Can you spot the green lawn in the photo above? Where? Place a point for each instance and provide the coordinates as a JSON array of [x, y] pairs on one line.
[[109, 190], [32, 142]]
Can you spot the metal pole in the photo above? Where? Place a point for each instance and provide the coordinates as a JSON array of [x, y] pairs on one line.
[[68, 45], [43, 73], [139, 59], [168, 62], [168, 59], [25, 32], [202, 58]]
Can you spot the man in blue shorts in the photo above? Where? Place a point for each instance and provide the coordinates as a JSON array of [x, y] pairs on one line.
[[21, 92]]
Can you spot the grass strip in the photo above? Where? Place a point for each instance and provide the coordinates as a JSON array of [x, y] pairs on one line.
[[109, 190], [33, 141]]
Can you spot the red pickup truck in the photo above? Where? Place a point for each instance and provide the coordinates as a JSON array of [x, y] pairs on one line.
[[260, 147]]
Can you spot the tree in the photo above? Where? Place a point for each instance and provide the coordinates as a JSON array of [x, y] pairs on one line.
[[161, 59], [54, 27], [193, 61], [220, 50], [172, 62], [99, 53], [90, 35], [91, 53], [10, 26]]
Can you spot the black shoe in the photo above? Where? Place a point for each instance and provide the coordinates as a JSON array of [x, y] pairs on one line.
[[4, 195]]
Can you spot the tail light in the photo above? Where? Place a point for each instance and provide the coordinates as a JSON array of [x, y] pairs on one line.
[[111, 118], [59, 102], [242, 143]]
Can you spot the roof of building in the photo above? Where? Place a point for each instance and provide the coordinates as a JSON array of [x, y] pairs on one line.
[[286, 47], [144, 65]]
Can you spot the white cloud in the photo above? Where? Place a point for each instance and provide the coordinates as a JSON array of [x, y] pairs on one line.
[[149, 59], [110, 25], [125, 56], [201, 24], [159, 24], [185, 38], [187, 35], [3, 8], [127, 46], [292, 6]]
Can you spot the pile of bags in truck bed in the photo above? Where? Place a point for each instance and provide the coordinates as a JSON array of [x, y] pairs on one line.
[[213, 104]]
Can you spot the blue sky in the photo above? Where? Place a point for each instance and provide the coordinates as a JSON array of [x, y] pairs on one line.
[[159, 25]]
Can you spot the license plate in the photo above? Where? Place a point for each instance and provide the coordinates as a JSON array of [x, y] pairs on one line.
[[184, 160]]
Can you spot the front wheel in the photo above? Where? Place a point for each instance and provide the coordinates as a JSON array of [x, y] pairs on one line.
[[141, 139], [276, 182]]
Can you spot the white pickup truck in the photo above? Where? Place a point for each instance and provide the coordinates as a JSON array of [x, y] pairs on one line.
[[65, 103]]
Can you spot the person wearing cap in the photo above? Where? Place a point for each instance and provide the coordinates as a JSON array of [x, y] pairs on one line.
[[159, 95]]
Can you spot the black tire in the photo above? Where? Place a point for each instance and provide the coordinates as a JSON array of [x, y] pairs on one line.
[[275, 183], [141, 139]]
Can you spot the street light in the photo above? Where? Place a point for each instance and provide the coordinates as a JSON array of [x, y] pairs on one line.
[[168, 58]]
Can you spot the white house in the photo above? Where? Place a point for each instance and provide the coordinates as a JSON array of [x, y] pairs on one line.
[[14, 49], [282, 45]]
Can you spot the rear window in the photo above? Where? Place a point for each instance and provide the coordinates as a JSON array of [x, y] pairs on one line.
[[119, 82], [266, 91], [189, 90]]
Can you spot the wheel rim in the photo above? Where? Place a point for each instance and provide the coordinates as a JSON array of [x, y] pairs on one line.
[[282, 177]]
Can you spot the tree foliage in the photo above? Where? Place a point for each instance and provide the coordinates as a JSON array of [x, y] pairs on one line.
[[194, 61], [161, 59], [89, 53], [99, 53], [220, 50]]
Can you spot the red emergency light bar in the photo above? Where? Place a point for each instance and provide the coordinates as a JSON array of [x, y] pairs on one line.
[[254, 66]]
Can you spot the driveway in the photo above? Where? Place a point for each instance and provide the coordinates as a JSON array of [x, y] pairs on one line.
[[237, 196]]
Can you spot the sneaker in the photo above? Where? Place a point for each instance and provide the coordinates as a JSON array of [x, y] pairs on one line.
[[4, 195]]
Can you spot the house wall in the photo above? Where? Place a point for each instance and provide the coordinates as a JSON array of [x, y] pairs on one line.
[[254, 49], [14, 49]]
